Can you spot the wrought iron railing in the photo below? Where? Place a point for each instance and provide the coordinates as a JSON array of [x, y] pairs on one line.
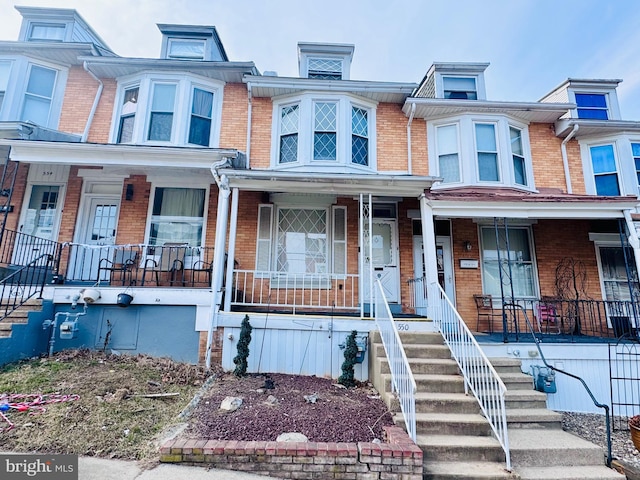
[[536, 339], [402, 381], [23, 284], [19, 249], [295, 291], [479, 375]]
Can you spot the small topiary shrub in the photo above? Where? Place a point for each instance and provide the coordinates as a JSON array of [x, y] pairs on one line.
[[243, 348], [350, 352]]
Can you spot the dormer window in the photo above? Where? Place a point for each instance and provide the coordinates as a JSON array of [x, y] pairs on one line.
[[460, 88], [325, 68], [184, 48], [47, 32], [592, 105]]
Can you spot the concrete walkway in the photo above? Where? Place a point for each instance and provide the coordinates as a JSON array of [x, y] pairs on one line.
[[91, 468]]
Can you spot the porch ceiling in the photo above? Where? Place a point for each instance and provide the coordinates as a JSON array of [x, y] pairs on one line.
[[129, 156], [342, 184]]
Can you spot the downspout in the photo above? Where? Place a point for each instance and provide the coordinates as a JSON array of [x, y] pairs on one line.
[[217, 269], [96, 100], [249, 114], [409, 157], [565, 160]]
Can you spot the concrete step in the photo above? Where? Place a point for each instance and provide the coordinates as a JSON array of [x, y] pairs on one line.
[[454, 448], [515, 399], [517, 381], [413, 338], [449, 424], [429, 402], [416, 351], [534, 418], [590, 472], [540, 448], [466, 471], [431, 383], [444, 366], [506, 365]]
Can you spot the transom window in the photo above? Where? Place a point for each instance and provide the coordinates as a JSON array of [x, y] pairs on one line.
[[487, 152], [185, 48], [38, 95], [177, 216], [325, 68], [605, 171], [592, 105], [323, 132], [461, 88], [47, 32], [518, 254]]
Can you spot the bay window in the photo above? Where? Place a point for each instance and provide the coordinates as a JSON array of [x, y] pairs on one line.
[[496, 255], [177, 216], [487, 152], [321, 133], [201, 111], [605, 171], [38, 95], [161, 116], [448, 158], [517, 152], [635, 151], [5, 69], [128, 114]]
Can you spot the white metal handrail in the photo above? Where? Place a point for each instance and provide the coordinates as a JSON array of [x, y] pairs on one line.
[[294, 290], [479, 375], [402, 381]]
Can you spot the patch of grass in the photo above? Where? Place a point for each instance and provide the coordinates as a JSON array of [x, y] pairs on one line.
[[110, 419]]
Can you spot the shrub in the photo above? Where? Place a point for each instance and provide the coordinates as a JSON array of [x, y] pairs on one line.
[[243, 348], [350, 352]]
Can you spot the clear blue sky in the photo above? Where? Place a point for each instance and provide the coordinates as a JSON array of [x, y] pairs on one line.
[[532, 45]]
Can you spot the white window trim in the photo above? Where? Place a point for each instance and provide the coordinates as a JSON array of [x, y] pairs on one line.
[[469, 174], [534, 257], [613, 110], [65, 25], [479, 78], [182, 107], [306, 125], [172, 184], [627, 178]]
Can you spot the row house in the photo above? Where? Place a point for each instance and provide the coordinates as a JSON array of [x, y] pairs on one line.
[[194, 190]]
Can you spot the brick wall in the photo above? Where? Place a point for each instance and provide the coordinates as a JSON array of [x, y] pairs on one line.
[[399, 458], [392, 137], [261, 133], [233, 131]]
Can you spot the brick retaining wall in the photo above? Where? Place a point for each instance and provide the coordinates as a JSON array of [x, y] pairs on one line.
[[397, 459]]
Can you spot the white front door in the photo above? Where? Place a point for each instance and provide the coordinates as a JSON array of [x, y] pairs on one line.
[[384, 249], [97, 233]]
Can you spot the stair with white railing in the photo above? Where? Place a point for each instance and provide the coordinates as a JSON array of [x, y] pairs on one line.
[[456, 438]]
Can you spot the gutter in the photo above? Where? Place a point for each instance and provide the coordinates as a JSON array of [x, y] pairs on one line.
[[249, 114], [409, 157], [565, 161], [96, 100]]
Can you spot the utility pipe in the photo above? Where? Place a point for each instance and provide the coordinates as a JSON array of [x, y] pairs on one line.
[[409, 157], [565, 160], [96, 100]]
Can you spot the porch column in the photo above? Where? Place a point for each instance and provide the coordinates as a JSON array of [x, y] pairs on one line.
[[233, 227], [217, 270], [633, 238], [429, 243]]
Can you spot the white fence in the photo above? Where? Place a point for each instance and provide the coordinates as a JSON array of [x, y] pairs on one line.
[[295, 290], [479, 375], [404, 385]]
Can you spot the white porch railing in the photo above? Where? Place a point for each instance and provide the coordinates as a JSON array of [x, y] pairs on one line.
[[479, 375], [402, 381], [418, 295], [294, 290]]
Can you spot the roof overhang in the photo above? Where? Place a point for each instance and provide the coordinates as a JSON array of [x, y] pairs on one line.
[[30, 131], [530, 112], [386, 92], [342, 184], [61, 53], [230, 72], [130, 156], [588, 128]]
